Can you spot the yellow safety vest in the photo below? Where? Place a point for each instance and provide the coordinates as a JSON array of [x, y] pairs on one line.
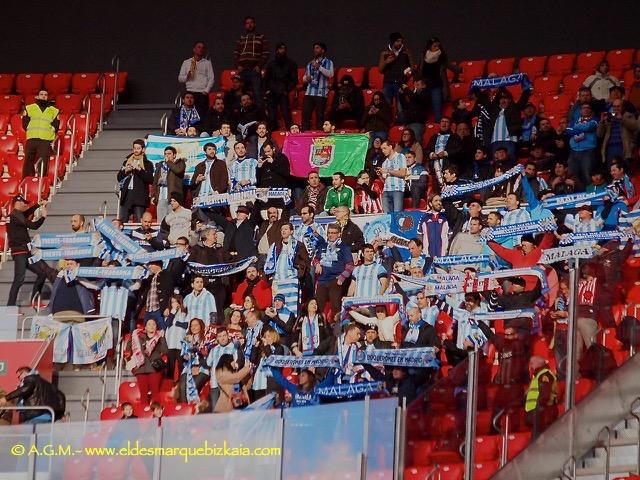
[[40, 122], [533, 393]]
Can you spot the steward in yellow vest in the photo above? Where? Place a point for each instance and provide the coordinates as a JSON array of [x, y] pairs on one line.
[[41, 124], [542, 396]]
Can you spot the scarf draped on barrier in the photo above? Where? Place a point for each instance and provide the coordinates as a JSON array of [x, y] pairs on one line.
[[119, 240], [349, 302], [458, 190], [117, 273], [573, 200], [501, 82], [350, 389], [91, 251], [552, 255], [46, 327], [441, 284], [593, 236], [516, 229], [221, 269], [503, 315], [318, 361], [61, 240], [248, 195], [160, 255], [406, 357]]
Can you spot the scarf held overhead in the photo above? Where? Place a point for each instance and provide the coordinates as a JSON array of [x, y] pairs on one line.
[[248, 195], [458, 190], [503, 81], [221, 269]]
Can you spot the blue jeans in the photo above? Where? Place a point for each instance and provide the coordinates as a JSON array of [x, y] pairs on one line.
[[254, 79], [581, 164], [436, 103], [392, 201], [44, 418], [391, 92]]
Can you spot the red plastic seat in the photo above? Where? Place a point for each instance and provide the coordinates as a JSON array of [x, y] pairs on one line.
[[571, 83], [10, 104], [69, 103], [486, 448], [546, 86], [532, 66], [587, 62], [561, 64], [180, 409], [607, 337], [375, 78], [485, 470], [225, 79], [111, 413], [278, 137], [430, 130], [422, 450], [356, 72], [14, 163], [5, 119], [483, 422], [458, 91], [109, 82], [620, 60], [471, 69], [17, 129], [300, 84], [95, 99], [368, 96], [556, 104], [516, 442], [84, 83], [583, 387], [28, 83], [395, 133], [6, 82], [30, 185], [418, 473], [8, 144], [453, 471], [501, 66], [129, 392], [57, 83], [628, 79], [29, 99], [142, 411], [8, 188]]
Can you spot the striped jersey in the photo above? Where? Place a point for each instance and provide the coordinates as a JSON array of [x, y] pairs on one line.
[[392, 183], [320, 78], [501, 131], [214, 356], [243, 170], [206, 188], [367, 278], [200, 306], [113, 301]]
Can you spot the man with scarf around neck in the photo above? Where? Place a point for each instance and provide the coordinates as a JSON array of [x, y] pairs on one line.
[[167, 180], [418, 334], [185, 116], [134, 179], [197, 75], [280, 318], [148, 238], [350, 233], [442, 149], [280, 78], [333, 265], [41, 123], [287, 262], [224, 345], [345, 347], [314, 194], [254, 285], [210, 176], [304, 233], [210, 252], [395, 63]]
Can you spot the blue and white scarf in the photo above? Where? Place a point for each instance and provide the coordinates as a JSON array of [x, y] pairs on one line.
[[117, 273], [424, 357], [593, 236], [503, 81], [62, 240], [573, 200], [318, 361], [160, 255], [188, 117], [91, 251], [451, 260], [310, 332], [330, 255], [516, 229], [221, 269], [350, 389], [458, 190], [350, 302], [247, 195], [119, 240]]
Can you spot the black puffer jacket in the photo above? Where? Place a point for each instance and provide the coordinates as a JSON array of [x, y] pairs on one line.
[[35, 391]]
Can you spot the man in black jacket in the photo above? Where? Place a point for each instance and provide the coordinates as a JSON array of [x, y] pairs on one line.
[[18, 237], [351, 233], [239, 233], [35, 391], [280, 78], [134, 179]]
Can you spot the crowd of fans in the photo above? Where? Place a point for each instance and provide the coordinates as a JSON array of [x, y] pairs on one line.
[[219, 330]]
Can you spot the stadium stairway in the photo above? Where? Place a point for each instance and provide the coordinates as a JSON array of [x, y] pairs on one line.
[[89, 187]]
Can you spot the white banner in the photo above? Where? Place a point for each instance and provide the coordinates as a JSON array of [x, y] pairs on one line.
[[551, 255], [91, 340], [45, 327]]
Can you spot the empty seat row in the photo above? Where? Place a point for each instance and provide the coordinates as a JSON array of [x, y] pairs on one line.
[[57, 83]]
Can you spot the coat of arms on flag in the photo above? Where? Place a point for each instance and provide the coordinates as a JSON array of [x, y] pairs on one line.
[[322, 152]]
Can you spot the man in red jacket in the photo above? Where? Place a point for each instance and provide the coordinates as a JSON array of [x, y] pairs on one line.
[[253, 285], [527, 254]]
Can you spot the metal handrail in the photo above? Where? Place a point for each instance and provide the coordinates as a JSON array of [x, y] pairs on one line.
[[632, 411], [571, 463], [504, 455], [177, 101], [436, 469], [607, 461], [55, 174], [104, 85], [41, 352], [72, 154], [85, 146], [104, 387], [38, 407], [104, 209], [164, 123], [84, 405], [115, 64]]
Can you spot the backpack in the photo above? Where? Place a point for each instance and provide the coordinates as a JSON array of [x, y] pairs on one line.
[[597, 362], [628, 331]]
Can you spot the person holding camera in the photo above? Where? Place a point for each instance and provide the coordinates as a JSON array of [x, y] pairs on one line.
[[134, 179], [617, 130]]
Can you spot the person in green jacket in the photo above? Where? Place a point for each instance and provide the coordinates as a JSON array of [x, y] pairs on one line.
[[339, 195]]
